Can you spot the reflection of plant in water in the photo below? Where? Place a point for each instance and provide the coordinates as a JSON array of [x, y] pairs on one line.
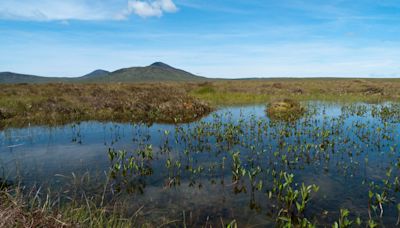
[[260, 155], [76, 133], [4, 184], [292, 201], [129, 169], [248, 156], [398, 211], [174, 172], [387, 112], [249, 141], [381, 195]]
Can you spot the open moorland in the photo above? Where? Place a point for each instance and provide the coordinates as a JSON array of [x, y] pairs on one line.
[[237, 92], [173, 101], [210, 153]]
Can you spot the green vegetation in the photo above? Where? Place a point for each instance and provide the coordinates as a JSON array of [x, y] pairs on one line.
[[261, 161], [14, 78], [262, 157], [156, 72], [62, 103], [261, 91], [171, 102], [18, 210]]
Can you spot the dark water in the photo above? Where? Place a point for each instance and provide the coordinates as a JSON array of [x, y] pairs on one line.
[[189, 174]]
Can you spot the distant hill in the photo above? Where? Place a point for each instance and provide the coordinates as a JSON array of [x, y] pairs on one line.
[[96, 73], [156, 72], [13, 78]]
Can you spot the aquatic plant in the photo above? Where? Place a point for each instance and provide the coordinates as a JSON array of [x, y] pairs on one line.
[[343, 222], [254, 165]]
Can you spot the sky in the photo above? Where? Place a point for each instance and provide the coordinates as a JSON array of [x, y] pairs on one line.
[[218, 38]]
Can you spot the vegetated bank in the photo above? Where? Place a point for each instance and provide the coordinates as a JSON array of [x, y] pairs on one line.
[[19, 209], [59, 103], [62, 103]]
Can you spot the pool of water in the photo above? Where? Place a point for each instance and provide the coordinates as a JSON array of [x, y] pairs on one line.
[[220, 168]]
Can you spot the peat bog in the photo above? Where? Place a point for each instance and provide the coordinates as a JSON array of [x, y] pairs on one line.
[[55, 104], [335, 164]]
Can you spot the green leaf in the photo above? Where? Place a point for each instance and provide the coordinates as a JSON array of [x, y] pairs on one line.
[[358, 221]]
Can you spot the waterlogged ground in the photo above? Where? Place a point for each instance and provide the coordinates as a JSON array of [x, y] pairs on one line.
[[234, 165]]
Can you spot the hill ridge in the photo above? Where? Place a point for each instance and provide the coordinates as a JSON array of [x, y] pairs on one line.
[[156, 72]]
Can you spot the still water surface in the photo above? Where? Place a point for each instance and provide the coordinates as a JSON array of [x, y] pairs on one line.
[[340, 148]]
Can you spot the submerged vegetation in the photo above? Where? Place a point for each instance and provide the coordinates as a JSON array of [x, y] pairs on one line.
[[230, 168]]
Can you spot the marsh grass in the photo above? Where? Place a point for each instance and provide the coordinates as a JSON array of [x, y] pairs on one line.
[[84, 207], [63, 103], [261, 91], [13, 213], [21, 211], [54, 104], [36, 207]]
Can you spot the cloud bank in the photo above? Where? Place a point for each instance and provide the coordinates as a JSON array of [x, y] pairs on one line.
[[51, 10]]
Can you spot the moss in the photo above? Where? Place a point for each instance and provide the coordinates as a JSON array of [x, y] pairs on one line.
[[286, 109]]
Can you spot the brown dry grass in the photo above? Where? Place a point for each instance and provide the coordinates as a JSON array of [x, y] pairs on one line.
[[232, 92], [13, 213], [171, 102], [60, 103]]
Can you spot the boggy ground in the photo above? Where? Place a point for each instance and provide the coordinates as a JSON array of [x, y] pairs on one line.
[[239, 92], [173, 102], [58, 103], [62, 103]]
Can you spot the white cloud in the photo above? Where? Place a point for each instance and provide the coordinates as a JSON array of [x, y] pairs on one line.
[[151, 8], [61, 10]]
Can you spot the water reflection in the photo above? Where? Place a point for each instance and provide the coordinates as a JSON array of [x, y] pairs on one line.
[[223, 165]]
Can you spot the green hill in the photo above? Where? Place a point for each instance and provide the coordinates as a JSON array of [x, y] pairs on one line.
[[95, 74], [14, 78], [156, 72]]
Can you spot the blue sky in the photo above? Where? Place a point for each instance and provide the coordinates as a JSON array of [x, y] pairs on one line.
[[219, 38]]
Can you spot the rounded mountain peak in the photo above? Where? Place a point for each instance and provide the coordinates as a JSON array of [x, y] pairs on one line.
[[161, 65]]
